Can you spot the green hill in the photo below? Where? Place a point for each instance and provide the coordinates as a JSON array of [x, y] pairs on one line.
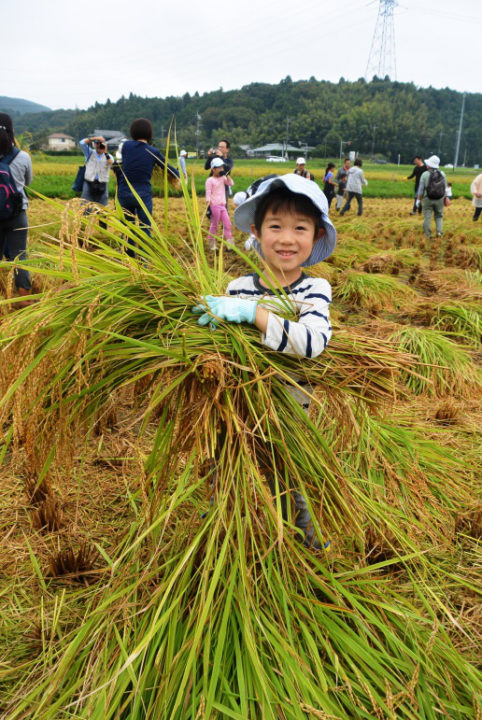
[[382, 116], [18, 106]]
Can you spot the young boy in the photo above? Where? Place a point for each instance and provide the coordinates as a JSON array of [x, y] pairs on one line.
[[288, 216], [216, 200]]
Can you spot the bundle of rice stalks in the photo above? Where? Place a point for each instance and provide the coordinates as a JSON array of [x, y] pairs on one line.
[[373, 292], [462, 320], [443, 367], [382, 264], [216, 610]]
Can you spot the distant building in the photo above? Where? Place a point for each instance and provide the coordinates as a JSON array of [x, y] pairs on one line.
[[282, 149], [60, 141]]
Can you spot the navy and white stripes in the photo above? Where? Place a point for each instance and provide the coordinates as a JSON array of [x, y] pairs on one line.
[[310, 298]]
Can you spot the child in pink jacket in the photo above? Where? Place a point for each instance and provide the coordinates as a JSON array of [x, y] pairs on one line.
[[216, 199]]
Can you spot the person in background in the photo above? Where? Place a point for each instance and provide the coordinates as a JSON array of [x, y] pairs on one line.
[[329, 183], [182, 163], [14, 230], [139, 158], [476, 190], [97, 170], [221, 151], [216, 200], [418, 170], [355, 180], [341, 176], [431, 195], [301, 169]]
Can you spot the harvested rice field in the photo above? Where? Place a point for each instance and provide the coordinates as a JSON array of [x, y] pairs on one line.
[[146, 570]]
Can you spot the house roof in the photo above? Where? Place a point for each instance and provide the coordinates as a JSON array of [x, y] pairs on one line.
[[281, 147], [61, 136]]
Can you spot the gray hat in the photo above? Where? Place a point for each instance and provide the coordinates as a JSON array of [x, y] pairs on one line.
[[324, 246], [217, 162]]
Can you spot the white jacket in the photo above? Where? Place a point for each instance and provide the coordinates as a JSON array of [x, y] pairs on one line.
[[355, 180]]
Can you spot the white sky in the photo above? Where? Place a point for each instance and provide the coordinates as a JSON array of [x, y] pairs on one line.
[[65, 54]]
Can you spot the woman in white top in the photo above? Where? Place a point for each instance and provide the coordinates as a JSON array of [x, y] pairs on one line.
[[14, 229], [476, 190]]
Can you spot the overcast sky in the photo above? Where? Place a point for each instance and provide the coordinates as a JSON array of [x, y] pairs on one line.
[[65, 54]]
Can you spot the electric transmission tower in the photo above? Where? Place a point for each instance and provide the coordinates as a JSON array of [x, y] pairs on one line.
[[382, 60]]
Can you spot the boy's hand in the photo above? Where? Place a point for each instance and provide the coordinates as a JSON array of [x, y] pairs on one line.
[[226, 308]]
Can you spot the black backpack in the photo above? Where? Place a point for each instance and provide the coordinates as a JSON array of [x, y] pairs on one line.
[[11, 200], [436, 185]]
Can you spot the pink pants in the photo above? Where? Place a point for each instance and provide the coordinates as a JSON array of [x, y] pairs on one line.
[[219, 214]]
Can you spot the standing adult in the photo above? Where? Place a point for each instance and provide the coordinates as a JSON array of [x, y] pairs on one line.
[[417, 172], [139, 158], [329, 183], [14, 230], [476, 190], [97, 170], [301, 170], [222, 151], [182, 163], [431, 195], [355, 180], [341, 177]]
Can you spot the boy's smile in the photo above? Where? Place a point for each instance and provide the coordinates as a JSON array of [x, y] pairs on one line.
[[286, 240]]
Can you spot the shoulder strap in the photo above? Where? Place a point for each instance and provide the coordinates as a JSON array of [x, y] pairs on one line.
[[11, 156]]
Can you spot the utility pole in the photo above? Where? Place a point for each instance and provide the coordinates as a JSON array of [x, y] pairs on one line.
[[287, 135], [373, 139], [343, 142], [459, 133], [440, 142], [198, 132]]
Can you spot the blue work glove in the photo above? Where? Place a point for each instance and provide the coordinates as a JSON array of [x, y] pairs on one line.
[[226, 308]]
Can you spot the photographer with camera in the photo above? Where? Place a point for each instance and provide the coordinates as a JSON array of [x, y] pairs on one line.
[[97, 169]]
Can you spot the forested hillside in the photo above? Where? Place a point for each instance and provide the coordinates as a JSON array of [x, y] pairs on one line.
[[18, 106], [381, 116]]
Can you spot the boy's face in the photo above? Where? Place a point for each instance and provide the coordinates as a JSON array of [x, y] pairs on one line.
[[286, 240]]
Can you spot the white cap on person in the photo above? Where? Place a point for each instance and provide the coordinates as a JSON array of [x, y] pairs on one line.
[[240, 197], [300, 161], [245, 213], [217, 162], [183, 153]]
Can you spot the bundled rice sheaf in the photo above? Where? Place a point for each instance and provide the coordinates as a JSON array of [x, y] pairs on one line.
[[214, 609]]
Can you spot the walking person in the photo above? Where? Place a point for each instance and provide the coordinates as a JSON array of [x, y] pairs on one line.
[[355, 181], [340, 179], [476, 190], [16, 167], [139, 158], [431, 196], [417, 172], [216, 200], [329, 183]]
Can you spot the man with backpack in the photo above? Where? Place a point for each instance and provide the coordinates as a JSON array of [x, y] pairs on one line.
[[431, 195]]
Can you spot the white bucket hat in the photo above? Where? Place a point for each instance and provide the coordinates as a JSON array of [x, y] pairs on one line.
[[300, 161], [432, 162], [217, 162], [240, 197], [183, 153], [324, 246]]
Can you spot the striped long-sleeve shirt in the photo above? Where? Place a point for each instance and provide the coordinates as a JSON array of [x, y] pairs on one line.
[[309, 297]]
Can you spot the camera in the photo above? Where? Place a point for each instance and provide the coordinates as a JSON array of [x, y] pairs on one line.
[[101, 145], [223, 172]]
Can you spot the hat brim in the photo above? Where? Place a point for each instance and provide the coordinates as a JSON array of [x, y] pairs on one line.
[[324, 246]]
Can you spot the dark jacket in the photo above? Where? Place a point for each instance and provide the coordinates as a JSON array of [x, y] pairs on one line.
[[417, 173]]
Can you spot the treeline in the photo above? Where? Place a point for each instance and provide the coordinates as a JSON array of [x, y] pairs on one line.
[[381, 117]]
